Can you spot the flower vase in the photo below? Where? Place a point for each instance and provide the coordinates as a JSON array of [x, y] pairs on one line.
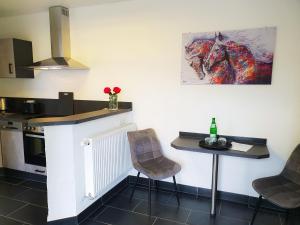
[[113, 102]]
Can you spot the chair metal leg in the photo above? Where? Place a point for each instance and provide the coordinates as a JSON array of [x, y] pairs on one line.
[[137, 178], [149, 197], [176, 190], [286, 220], [156, 185], [256, 209]]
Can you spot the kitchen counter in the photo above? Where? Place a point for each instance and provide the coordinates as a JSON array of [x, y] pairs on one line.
[[64, 138], [76, 118], [15, 117]]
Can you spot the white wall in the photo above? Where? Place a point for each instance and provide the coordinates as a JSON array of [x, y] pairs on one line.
[[137, 46]]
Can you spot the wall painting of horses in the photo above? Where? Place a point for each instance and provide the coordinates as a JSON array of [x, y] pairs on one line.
[[228, 57]]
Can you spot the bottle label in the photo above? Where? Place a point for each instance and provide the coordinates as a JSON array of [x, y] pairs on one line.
[[213, 135]]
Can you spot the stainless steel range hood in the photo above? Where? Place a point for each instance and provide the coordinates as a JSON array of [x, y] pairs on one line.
[[60, 43]]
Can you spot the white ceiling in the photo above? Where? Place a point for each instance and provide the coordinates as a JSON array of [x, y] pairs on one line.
[[18, 7]]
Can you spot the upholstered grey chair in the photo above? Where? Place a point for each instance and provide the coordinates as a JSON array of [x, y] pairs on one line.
[[147, 158], [282, 190]]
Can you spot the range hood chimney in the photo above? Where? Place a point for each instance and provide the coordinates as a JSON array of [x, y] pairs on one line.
[[60, 43]]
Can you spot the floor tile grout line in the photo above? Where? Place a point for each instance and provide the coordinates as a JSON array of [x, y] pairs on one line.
[[96, 222], [220, 208], [33, 188], [143, 214], [187, 219], [170, 193], [22, 182], [21, 207], [90, 216], [19, 221], [228, 217], [169, 205], [14, 184], [139, 213], [137, 205], [170, 220], [39, 206], [105, 208], [154, 221], [36, 181], [146, 189], [166, 203], [22, 192], [22, 201], [10, 198], [125, 210], [234, 218], [280, 220]]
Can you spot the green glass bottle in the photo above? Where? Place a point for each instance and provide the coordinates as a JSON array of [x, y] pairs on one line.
[[213, 131]]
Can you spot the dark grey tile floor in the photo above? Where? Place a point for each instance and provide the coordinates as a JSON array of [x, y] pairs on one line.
[[24, 202], [192, 211]]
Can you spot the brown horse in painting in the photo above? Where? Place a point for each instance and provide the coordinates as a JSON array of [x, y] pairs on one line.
[[225, 62]]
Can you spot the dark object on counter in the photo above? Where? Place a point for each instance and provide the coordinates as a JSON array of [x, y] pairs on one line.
[[282, 190], [215, 146], [16, 55], [30, 107], [66, 106], [3, 106], [63, 106]]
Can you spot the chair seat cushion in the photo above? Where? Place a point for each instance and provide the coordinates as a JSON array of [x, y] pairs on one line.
[[279, 190], [158, 168]]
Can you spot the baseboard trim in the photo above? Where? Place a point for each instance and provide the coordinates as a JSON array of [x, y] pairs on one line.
[[2, 171], [66, 221], [203, 192]]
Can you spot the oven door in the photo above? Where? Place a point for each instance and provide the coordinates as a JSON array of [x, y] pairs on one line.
[[34, 149]]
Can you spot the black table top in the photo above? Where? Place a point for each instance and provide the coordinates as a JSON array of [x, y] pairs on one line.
[[190, 142]]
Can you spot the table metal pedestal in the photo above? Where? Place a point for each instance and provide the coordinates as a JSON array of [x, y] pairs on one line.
[[214, 184]]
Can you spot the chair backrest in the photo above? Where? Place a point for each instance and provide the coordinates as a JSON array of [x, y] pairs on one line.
[[291, 170], [144, 145]]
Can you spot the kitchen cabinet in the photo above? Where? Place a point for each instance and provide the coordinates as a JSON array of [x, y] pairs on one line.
[[12, 148], [15, 56], [1, 165]]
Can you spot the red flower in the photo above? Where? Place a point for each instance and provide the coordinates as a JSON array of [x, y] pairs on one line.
[[117, 90], [107, 90]]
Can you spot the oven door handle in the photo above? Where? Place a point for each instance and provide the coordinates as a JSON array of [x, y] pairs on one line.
[[35, 136]]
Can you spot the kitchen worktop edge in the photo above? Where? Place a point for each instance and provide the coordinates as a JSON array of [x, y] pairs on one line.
[[76, 118]]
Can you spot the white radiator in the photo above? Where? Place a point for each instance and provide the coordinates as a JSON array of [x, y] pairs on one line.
[[106, 160]]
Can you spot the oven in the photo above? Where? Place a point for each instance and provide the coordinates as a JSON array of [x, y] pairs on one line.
[[34, 147]]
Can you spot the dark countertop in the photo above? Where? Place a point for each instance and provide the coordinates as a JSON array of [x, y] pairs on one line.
[[75, 119], [15, 117], [190, 142]]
